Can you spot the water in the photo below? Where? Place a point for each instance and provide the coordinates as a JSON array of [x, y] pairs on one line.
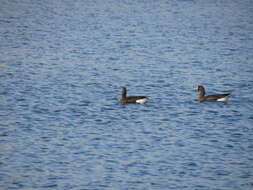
[[63, 64]]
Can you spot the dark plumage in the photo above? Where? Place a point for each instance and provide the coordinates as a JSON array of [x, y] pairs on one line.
[[131, 99], [215, 97]]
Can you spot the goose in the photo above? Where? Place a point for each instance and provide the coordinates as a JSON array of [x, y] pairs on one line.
[[132, 99], [215, 97]]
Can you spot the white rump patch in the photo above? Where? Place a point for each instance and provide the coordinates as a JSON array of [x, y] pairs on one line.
[[142, 101], [224, 99]]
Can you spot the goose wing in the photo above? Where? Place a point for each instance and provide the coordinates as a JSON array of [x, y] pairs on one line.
[[216, 97], [133, 99]]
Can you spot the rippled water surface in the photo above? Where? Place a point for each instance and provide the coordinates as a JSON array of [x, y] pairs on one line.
[[62, 66]]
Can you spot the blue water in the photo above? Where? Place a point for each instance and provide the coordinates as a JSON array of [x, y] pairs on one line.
[[62, 66]]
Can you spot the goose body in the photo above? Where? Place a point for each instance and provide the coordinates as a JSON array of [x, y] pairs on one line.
[[215, 97], [132, 99]]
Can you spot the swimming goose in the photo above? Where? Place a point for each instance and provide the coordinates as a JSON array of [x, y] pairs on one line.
[[131, 99], [214, 97]]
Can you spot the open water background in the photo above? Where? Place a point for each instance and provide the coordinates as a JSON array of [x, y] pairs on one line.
[[62, 66]]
